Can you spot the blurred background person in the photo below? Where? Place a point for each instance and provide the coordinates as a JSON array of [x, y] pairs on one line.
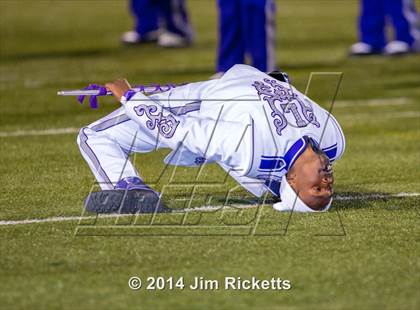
[[246, 30], [374, 15], [162, 21]]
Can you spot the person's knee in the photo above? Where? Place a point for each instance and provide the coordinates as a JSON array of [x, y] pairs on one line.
[[82, 137]]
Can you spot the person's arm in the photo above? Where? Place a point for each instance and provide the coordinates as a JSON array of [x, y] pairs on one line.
[[118, 88], [227, 142]]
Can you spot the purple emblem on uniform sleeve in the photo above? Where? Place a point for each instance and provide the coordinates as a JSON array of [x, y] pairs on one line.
[[166, 124]]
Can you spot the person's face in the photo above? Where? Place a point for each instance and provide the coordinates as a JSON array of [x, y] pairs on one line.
[[312, 178]]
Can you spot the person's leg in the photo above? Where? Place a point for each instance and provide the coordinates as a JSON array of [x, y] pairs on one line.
[[372, 23], [146, 22], [231, 49], [258, 25], [371, 29], [405, 21], [145, 13], [177, 31], [175, 17], [106, 146]]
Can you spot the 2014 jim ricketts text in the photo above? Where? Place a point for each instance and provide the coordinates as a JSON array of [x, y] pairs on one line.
[[201, 283]]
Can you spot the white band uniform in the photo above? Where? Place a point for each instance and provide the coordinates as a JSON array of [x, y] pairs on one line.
[[247, 122]]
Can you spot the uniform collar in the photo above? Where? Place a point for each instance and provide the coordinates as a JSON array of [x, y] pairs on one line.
[[294, 152], [284, 163], [297, 149]]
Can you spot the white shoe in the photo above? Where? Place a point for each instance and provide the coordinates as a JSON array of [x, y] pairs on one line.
[[130, 37], [133, 37], [362, 49], [397, 48], [170, 39]]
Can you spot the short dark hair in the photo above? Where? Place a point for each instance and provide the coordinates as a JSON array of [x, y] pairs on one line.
[[280, 76]]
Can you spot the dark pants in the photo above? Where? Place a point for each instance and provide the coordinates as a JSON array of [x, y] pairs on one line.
[[375, 14], [169, 14], [246, 27]]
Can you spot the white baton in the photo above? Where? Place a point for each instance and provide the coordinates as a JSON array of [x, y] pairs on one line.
[[94, 92]]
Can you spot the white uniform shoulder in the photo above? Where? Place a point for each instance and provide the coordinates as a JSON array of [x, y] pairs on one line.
[[241, 70]]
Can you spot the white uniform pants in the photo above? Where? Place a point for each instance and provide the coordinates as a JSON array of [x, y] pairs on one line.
[[106, 145]]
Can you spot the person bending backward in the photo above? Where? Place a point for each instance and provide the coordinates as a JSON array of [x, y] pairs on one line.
[[266, 134]]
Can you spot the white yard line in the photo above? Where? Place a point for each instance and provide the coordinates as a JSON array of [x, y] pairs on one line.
[[198, 209], [41, 132], [338, 104], [371, 118], [376, 102], [70, 130]]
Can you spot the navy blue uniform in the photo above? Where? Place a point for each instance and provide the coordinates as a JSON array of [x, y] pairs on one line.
[[149, 13], [373, 18], [246, 27]]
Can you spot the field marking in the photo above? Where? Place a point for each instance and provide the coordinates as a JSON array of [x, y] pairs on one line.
[[41, 132], [382, 116], [338, 104], [375, 102], [198, 209]]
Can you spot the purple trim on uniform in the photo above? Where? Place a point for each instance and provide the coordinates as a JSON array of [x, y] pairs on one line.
[[161, 88], [110, 123], [331, 154], [272, 164], [331, 151], [131, 183], [263, 156], [278, 163], [294, 152], [129, 94], [91, 154], [273, 186], [187, 108], [329, 147]]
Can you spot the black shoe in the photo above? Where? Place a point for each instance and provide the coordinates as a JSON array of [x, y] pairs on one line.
[[125, 202]]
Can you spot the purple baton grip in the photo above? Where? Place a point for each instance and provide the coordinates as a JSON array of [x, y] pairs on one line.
[[93, 101]]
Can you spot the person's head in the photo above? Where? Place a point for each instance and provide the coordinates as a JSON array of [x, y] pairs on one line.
[[311, 177]]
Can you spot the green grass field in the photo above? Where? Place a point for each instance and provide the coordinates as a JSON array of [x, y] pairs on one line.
[[363, 254]]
